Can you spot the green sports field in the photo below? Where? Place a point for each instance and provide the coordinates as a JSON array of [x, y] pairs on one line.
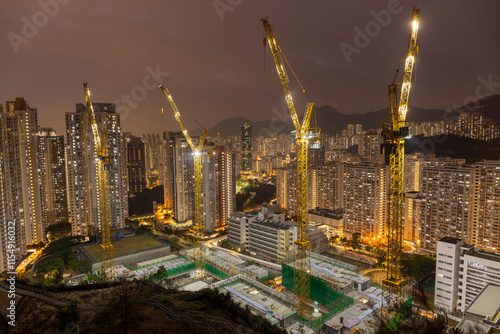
[[125, 245]]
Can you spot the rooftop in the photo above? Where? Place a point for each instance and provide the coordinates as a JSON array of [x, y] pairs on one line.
[[481, 254], [334, 214], [195, 286], [486, 303], [450, 240], [272, 304]]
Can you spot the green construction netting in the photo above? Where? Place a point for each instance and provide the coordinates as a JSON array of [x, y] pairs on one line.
[[186, 267], [216, 271], [333, 300], [180, 269]]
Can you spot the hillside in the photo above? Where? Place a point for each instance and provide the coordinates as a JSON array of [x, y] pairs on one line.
[[471, 150], [138, 307], [332, 121]]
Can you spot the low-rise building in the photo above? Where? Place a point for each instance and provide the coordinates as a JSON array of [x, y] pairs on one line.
[[265, 233], [462, 272], [330, 221], [265, 238], [485, 309], [478, 268]]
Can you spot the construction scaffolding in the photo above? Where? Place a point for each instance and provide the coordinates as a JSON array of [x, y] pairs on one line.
[[273, 305], [216, 271], [333, 300]]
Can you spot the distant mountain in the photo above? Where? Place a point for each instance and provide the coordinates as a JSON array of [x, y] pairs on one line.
[[332, 121], [488, 106], [472, 150]]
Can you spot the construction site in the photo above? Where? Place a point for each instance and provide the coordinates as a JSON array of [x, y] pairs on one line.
[[309, 293], [341, 299]]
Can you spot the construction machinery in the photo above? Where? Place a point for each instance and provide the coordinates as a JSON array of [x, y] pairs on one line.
[[394, 139], [303, 134], [104, 164], [198, 151]]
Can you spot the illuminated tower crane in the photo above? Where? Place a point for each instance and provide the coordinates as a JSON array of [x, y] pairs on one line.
[[198, 152], [303, 133], [394, 140], [103, 162]]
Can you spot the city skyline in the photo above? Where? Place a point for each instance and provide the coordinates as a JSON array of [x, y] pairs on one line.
[[196, 57], [347, 207]]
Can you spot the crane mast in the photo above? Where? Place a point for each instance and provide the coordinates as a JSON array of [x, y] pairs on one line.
[[198, 152], [103, 164], [303, 133], [394, 146]]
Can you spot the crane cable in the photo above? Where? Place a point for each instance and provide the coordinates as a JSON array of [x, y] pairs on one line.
[[296, 78], [400, 62], [184, 113], [291, 69]]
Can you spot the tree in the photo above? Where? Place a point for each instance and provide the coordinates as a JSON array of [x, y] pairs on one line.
[[161, 273], [63, 245], [254, 194], [59, 275], [334, 239], [381, 255], [356, 237], [51, 265], [143, 229], [59, 228], [36, 246], [174, 243], [417, 266]]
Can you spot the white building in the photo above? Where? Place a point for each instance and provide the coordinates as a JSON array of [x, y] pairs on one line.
[[447, 272], [265, 233], [462, 272], [238, 229], [331, 221], [478, 268]]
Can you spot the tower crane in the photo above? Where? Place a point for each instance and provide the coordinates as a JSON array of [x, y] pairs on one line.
[[198, 151], [394, 140], [303, 134], [104, 164]]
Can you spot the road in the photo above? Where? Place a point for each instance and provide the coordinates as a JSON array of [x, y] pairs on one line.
[[377, 275], [182, 242], [21, 268]]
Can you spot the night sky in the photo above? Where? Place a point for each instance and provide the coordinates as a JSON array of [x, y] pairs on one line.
[[215, 60]]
